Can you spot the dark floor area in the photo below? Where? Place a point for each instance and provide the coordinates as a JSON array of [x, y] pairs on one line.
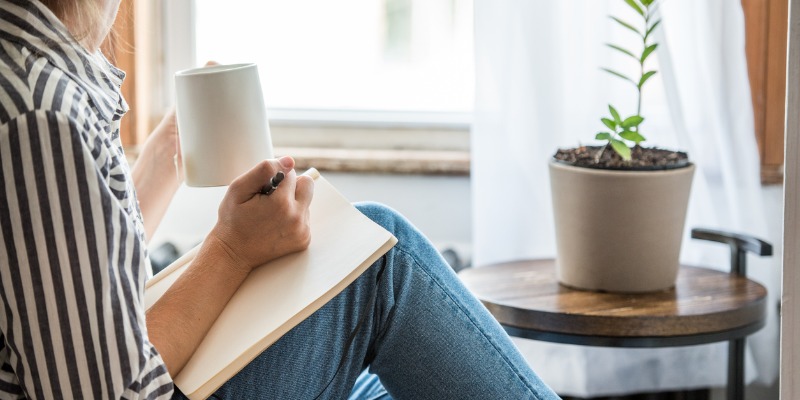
[[702, 394]]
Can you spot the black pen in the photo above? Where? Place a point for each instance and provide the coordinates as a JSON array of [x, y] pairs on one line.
[[273, 183]]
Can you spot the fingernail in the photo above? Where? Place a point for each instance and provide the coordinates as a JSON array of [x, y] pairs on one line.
[[286, 161]]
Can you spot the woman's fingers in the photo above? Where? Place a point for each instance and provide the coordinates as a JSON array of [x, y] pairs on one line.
[[253, 181], [304, 190]]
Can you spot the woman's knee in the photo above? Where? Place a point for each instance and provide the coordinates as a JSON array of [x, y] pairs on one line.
[[411, 241], [382, 215], [408, 236]]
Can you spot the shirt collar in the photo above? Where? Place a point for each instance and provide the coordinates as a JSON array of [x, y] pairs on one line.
[[33, 26]]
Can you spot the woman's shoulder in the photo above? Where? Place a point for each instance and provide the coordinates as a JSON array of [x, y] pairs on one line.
[[39, 98], [34, 85]]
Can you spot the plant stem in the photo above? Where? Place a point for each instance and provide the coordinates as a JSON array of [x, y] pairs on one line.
[[599, 154], [641, 64]]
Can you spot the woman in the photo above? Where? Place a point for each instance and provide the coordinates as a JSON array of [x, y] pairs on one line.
[[74, 259]]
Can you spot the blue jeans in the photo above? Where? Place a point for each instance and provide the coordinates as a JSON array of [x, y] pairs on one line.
[[410, 321]]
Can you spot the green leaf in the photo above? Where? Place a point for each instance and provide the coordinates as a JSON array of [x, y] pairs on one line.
[[614, 114], [625, 24], [647, 3], [635, 137], [630, 122], [621, 50], [621, 148], [645, 77], [603, 136], [647, 51], [652, 28], [615, 73], [635, 7], [609, 123]]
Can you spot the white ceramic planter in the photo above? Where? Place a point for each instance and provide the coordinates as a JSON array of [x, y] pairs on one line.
[[619, 231]]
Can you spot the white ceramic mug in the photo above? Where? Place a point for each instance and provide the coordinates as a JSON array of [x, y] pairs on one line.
[[222, 122]]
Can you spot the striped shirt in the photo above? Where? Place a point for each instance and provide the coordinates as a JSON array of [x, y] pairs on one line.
[[73, 261]]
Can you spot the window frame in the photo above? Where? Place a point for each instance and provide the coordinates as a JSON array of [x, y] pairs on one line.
[[790, 299]]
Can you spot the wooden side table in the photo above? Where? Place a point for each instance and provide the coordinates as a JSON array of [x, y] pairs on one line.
[[705, 306]]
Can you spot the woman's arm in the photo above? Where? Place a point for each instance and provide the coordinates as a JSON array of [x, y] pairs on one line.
[[154, 173]]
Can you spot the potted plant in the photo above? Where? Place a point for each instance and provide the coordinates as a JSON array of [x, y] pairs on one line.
[[619, 207]]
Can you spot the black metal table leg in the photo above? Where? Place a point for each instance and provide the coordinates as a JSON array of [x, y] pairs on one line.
[[736, 369]]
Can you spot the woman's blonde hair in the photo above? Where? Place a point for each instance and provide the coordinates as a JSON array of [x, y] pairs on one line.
[[80, 16]]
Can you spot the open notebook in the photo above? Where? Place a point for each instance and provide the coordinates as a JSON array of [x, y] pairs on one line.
[[281, 294]]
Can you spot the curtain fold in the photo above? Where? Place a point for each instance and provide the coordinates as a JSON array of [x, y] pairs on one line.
[[539, 87]]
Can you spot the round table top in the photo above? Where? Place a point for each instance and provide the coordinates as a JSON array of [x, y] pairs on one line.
[[704, 306]]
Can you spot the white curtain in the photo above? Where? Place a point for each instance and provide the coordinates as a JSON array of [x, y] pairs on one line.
[[539, 87]]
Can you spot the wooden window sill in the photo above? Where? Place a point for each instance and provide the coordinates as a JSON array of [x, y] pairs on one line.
[[411, 162]]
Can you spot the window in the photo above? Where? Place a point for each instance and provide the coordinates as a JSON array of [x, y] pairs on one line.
[[352, 74], [368, 61]]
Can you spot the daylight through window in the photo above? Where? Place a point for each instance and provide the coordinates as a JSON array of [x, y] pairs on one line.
[[348, 55]]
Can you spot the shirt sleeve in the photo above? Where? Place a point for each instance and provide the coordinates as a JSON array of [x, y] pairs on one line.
[[73, 268]]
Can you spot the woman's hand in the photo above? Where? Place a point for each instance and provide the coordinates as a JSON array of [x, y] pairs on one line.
[[166, 134], [254, 228], [154, 173]]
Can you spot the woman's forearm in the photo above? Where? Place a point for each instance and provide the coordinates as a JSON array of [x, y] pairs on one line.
[[154, 173], [180, 319]]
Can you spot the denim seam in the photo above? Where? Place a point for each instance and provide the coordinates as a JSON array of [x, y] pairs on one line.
[[380, 329], [469, 317]]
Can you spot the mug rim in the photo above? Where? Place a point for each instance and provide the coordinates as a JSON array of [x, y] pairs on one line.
[[213, 69]]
